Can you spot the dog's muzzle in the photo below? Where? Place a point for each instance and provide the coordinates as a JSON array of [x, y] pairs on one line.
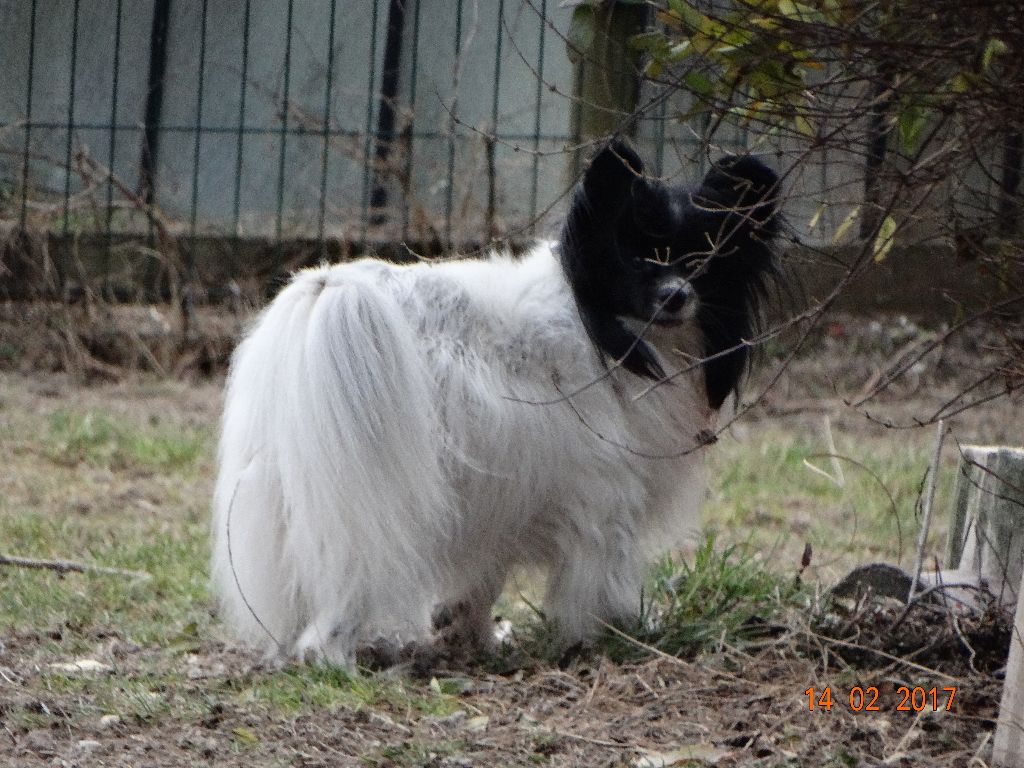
[[674, 301]]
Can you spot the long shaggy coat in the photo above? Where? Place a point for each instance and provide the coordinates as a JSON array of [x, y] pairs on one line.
[[396, 438]]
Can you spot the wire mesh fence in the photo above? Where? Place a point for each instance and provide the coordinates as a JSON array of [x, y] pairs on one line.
[[153, 143], [371, 123], [255, 135]]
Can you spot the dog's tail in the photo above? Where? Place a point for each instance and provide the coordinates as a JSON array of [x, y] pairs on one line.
[[331, 486]]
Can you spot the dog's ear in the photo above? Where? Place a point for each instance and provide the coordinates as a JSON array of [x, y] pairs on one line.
[[603, 274], [609, 177], [736, 208], [741, 184]]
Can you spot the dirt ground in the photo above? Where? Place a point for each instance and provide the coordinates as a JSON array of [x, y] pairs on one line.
[[731, 708], [737, 704]]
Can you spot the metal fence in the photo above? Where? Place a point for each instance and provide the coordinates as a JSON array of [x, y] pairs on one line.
[[433, 122], [286, 116]]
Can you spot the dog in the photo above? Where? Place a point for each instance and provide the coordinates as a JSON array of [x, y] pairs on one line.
[[396, 438]]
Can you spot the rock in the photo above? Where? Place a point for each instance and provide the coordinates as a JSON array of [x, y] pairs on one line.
[[880, 578], [81, 667]]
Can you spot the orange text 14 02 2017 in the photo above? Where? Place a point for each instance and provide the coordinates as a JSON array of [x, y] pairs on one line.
[[867, 699]]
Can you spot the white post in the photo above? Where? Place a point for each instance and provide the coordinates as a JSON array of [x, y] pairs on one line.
[[985, 548], [1008, 749]]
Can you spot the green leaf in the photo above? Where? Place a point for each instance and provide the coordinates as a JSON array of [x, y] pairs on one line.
[[764, 22], [699, 83], [994, 47], [788, 8], [654, 43], [910, 123], [805, 126], [885, 238], [959, 83], [690, 15], [738, 36], [713, 28], [582, 29], [679, 51], [843, 228]]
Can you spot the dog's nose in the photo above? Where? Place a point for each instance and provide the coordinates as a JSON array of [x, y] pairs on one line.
[[673, 295]]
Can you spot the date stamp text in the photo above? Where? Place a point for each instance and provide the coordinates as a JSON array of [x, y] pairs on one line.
[[868, 699]]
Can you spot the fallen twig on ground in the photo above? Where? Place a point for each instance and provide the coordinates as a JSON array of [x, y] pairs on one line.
[[69, 566]]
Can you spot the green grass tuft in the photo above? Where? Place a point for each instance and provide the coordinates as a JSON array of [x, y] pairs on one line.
[[95, 439], [326, 687], [726, 596], [147, 611]]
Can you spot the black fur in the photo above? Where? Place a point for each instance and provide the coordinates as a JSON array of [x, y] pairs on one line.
[[626, 233]]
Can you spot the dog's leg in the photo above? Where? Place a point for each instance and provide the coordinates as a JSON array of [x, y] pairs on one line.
[[465, 625], [596, 583], [328, 639]]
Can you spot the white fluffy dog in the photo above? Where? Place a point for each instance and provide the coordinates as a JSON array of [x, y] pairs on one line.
[[396, 438]]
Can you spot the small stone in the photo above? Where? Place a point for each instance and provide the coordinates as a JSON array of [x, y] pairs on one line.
[[454, 718], [88, 745], [381, 720], [81, 667], [109, 721]]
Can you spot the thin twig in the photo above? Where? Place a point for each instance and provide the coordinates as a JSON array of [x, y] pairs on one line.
[[926, 514], [231, 563], [589, 740], [69, 566]]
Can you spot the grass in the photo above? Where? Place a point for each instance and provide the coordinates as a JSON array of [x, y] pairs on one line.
[[763, 493], [100, 440], [722, 596], [328, 688], [129, 489], [74, 503], [764, 505]]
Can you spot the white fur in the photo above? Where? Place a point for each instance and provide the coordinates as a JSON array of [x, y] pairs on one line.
[[399, 437]]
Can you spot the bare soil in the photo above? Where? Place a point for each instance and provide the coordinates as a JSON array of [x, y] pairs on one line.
[[736, 707]]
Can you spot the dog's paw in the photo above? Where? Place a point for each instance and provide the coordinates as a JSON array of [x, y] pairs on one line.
[[382, 653]]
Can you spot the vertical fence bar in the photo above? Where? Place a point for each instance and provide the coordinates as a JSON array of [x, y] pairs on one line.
[[154, 105], [413, 71], [284, 135], [114, 87], [449, 192], [371, 96], [236, 213], [1008, 209], [659, 156], [71, 115], [385, 137], [194, 212], [535, 172], [328, 89], [28, 116], [704, 147], [492, 171]]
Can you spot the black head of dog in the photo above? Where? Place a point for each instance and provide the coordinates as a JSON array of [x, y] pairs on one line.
[[641, 254]]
